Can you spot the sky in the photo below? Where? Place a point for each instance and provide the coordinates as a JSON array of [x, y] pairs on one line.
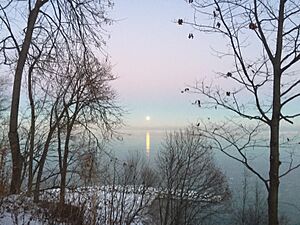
[[154, 60]]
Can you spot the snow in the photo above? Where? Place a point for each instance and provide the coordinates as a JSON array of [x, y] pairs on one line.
[[99, 204], [95, 205], [19, 210]]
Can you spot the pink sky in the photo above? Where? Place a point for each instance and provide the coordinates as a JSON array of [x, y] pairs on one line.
[[154, 60]]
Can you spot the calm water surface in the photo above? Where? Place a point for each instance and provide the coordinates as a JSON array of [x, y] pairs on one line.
[[148, 143]]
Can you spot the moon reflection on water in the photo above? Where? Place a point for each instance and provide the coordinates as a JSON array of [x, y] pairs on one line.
[[148, 144]]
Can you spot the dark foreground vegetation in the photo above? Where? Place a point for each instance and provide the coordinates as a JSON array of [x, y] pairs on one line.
[[58, 111]]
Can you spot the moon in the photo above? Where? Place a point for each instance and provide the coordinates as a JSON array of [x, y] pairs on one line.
[[148, 118]]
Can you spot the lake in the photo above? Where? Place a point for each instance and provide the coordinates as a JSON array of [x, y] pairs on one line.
[[148, 143]]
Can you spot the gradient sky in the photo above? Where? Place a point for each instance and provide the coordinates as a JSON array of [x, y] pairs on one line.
[[154, 60]]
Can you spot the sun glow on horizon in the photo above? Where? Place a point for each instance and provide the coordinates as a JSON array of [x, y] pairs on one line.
[[148, 118]]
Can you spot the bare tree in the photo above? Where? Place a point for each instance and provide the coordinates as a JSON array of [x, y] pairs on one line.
[[249, 203], [41, 23], [89, 101], [128, 191], [249, 206], [81, 100], [264, 81], [192, 186]]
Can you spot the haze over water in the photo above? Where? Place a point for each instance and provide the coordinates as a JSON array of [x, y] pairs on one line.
[[155, 61], [148, 143]]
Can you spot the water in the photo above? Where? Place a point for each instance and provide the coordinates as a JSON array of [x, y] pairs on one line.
[[145, 141], [148, 143]]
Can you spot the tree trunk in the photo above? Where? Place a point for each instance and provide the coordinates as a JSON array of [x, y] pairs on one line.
[[15, 184], [275, 122], [274, 149], [13, 135], [62, 186], [63, 172], [274, 176], [42, 163], [32, 131]]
